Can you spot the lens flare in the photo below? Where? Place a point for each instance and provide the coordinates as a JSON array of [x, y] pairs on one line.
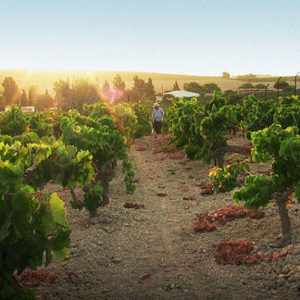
[[113, 95]]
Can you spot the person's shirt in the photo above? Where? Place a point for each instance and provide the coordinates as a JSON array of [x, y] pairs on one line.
[[158, 114]]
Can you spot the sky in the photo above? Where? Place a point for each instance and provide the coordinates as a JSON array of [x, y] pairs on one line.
[[197, 37]]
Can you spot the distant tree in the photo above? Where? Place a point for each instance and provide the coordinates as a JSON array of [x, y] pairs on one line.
[[105, 86], [32, 95], [141, 91], [281, 85], [176, 86], [225, 75], [118, 83], [138, 89], [247, 85], [210, 88], [23, 98], [44, 101], [149, 90], [231, 97], [10, 92], [193, 87], [83, 92], [63, 94], [260, 86]]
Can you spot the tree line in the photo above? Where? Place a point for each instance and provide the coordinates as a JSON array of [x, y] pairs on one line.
[[68, 95]]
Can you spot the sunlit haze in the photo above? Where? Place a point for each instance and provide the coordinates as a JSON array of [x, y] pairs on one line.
[[169, 36]]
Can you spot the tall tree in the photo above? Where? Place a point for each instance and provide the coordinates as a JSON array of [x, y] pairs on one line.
[[44, 101], [105, 86], [83, 92], [118, 83], [176, 86], [32, 95], [138, 90], [23, 98], [11, 91], [63, 94], [149, 90]]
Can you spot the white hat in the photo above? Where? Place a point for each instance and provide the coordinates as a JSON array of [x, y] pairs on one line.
[[155, 104]]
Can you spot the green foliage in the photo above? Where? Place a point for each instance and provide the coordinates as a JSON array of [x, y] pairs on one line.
[[144, 125], [257, 191], [127, 169], [225, 178], [13, 122], [127, 121], [33, 224], [213, 129], [66, 166], [184, 119], [93, 198], [40, 124], [281, 147], [97, 134], [256, 113], [201, 131], [287, 112], [232, 97], [95, 110]]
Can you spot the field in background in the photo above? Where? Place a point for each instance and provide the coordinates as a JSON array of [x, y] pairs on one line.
[[162, 82]]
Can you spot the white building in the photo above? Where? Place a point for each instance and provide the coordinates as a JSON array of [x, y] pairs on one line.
[[182, 94]]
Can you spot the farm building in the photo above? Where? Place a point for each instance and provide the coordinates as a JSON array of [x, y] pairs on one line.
[[182, 94]]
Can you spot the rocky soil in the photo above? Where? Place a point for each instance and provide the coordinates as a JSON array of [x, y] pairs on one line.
[[153, 252]]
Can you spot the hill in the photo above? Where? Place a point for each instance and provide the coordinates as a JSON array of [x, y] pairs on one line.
[[43, 80]]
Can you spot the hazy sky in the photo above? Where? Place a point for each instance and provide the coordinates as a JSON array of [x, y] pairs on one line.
[[202, 37]]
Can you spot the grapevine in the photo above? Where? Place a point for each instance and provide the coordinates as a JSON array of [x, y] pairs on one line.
[[281, 147]]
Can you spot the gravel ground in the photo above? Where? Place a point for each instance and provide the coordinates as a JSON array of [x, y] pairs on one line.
[[153, 253]]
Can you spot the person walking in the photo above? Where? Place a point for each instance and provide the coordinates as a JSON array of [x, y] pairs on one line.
[[157, 118]]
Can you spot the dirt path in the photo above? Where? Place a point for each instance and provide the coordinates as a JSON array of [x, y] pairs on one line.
[[152, 252]]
